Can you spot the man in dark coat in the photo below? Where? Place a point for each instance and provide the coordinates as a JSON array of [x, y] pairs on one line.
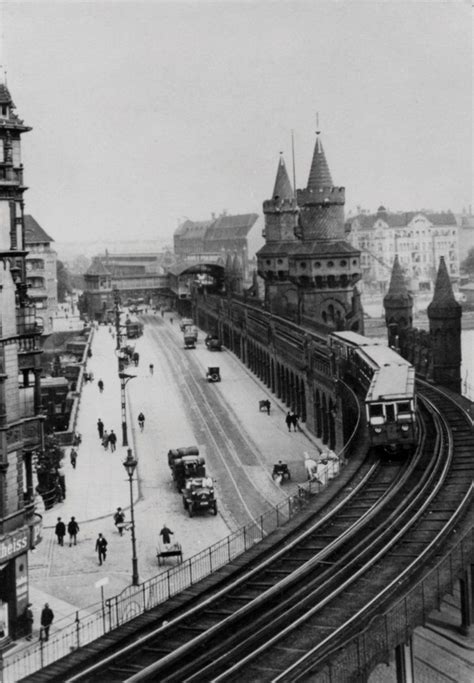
[[112, 440], [100, 428], [166, 534], [101, 547], [47, 617], [72, 529], [60, 531]]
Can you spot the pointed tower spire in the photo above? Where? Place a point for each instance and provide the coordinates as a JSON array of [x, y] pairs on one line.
[[282, 189], [443, 293], [398, 305], [319, 174]]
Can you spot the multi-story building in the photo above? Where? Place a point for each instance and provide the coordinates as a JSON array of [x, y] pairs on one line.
[[21, 431], [41, 273], [419, 239]]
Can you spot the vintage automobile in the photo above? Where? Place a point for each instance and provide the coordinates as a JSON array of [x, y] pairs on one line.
[[184, 467], [213, 374], [198, 495], [213, 343]]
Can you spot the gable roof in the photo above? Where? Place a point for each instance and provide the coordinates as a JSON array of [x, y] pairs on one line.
[[402, 219], [97, 268], [34, 233]]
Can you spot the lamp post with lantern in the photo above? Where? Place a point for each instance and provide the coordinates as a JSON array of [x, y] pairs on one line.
[[130, 465]]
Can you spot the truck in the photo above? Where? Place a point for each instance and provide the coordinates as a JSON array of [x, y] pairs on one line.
[[190, 335], [185, 463], [185, 322], [198, 496]]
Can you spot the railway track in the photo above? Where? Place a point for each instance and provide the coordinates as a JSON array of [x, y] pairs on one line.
[[284, 617]]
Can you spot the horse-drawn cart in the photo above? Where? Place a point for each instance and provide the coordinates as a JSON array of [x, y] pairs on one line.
[[169, 550]]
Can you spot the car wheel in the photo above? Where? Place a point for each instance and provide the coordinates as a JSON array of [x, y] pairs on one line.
[[185, 503], [190, 510]]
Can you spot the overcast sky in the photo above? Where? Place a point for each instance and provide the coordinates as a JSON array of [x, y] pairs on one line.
[[147, 112]]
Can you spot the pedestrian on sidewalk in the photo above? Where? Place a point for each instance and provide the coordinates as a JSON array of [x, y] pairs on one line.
[[112, 440], [101, 547], [294, 421], [141, 421], [166, 534], [119, 520], [100, 384], [151, 368], [73, 456], [105, 440], [29, 621], [289, 420], [72, 529], [47, 617], [60, 531], [100, 428]]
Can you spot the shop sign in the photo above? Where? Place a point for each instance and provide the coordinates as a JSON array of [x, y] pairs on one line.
[[14, 544]]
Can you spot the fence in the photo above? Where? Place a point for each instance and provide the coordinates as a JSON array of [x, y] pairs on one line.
[[86, 625]]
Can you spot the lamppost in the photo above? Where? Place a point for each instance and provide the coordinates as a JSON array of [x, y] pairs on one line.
[[124, 378], [130, 464]]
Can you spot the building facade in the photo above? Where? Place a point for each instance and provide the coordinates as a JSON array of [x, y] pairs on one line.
[[21, 422], [41, 273], [418, 239]]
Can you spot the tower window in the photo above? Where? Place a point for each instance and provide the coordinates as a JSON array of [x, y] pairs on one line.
[[303, 264], [343, 263], [317, 264], [280, 261], [330, 264], [268, 262]]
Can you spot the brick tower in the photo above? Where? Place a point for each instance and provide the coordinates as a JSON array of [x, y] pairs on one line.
[[281, 215], [398, 305], [444, 314]]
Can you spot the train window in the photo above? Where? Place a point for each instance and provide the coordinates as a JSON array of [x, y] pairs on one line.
[[390, 411], [376, 409], [404, 407]]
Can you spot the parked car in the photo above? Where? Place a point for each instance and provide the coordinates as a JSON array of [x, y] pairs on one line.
[[198, 496], [213, 374]]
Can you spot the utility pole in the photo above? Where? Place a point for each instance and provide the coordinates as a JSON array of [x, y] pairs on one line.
[[117, 321]]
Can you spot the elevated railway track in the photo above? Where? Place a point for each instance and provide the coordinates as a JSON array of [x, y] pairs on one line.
[[338, 592]]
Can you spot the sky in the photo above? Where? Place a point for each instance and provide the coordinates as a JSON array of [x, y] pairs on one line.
[[147, 113]]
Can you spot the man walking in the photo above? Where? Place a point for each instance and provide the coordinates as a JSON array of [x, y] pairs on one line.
[[166, 534], [119, 519], [100, 428], [101, 547], [100, 384], [29, 621], [72, 529], [47, 617], [112, 440], [60, 531], [73, 456]]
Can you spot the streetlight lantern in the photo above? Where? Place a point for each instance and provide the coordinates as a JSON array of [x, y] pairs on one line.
[[130, 465]]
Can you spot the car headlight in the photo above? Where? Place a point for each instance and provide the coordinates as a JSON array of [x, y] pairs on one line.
[[405, 428], [378, 430]]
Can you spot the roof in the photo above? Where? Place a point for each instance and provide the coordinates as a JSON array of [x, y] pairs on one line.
[[443, 295], [193, 229], [401, 219], [398, 291], [197, 267], [97, 268], [282, 188], [353, 338], [311, 248], [5, 97], [224, 227], [380, 356], [394, 381], [34, 233], [319, 174]]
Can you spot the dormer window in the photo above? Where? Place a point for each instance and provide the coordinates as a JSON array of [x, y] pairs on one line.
[[4, 110]]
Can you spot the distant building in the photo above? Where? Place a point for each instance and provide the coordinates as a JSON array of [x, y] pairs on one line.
[[419, 240], [41, 272], [216, 240], [465, 223]]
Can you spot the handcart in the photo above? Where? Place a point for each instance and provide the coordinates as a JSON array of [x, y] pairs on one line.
[[169, 550]]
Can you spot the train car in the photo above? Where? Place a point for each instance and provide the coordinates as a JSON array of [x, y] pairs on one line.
[[387, 382]]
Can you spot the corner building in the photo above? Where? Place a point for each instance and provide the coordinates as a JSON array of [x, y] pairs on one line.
[[21, 423]]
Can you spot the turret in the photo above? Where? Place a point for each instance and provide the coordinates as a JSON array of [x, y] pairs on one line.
[[398, 305], [444, 315]]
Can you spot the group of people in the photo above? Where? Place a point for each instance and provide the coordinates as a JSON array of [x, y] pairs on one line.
[[291, 420], [107, 438], [72, 529]]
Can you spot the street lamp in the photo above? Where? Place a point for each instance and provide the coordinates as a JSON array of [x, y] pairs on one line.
[[124, 377], [130, 464]]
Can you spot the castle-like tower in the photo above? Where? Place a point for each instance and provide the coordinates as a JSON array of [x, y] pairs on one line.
[[444, 315], [21, 425], [310, 270], [398, 305]]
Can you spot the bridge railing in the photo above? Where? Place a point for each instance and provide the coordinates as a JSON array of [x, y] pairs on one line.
[[86, 625]]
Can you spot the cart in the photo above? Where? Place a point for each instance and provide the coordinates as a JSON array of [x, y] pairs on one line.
[[169, 550]]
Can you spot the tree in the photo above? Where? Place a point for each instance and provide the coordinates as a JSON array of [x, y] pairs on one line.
[[468, 264], [64, 281]]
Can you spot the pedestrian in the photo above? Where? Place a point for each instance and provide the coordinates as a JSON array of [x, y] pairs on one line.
[[73, 456], [166, 534], [141, 421], [100, 384], [171, 321], [105, 440], [47, 617], [289, 420], [60, 531], [29, 621], [151, 368], [112, 440], [72, 529], [101, 547], [294, 420], [119, 519], [100, 428]]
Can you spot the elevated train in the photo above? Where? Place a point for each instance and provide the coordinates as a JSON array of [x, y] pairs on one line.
[[387, 382]]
